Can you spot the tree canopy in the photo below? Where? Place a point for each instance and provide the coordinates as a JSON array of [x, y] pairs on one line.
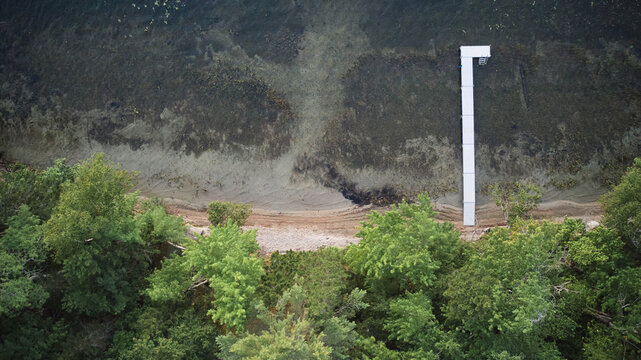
[[98, 273]]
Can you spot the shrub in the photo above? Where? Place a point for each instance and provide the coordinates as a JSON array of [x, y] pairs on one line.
[[516, 199], [221, 212]]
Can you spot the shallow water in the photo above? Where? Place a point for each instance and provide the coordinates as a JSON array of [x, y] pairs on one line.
[[306, 105]]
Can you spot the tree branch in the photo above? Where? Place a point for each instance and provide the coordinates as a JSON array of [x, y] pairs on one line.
[[176, 245], [199, 284]]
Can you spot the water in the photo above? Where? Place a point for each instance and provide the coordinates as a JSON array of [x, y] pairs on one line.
[[307, 104]]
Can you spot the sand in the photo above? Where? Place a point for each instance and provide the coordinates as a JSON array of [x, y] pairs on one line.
[[309, 230]]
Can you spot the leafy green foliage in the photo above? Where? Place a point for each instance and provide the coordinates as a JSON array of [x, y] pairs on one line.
[[533, 290], [321, 273], [502, 296], [222, 212], [160, 232], [21, 255], [516, 200], [370, 349], [323, 277], [30, 335], [600, 247], [622, 207], [158, 227], [92, 233], [412, 323], [166, 333], [37, 189], [289, 335], [605, 264], [405, 248], [226, 260], [171, 281], [280, 273], [352, 303]]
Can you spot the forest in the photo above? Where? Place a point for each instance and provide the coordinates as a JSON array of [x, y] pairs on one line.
[[90, 270]]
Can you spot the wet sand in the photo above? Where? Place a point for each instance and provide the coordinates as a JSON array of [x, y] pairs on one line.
[[309, 230]]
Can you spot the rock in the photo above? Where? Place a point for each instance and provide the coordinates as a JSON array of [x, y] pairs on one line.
[[591, 225]]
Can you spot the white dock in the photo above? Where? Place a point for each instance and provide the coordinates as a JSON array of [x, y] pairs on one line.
[[468, 53]]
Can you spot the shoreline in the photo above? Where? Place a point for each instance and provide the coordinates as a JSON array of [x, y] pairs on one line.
[[305, 230]]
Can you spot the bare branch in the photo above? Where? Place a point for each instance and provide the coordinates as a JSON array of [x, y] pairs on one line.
[[199, 284], [176, 245]]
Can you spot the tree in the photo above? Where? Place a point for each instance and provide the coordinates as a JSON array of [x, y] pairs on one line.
[[321, 273], [92, 233], [501, 299], [37, 189], [289, 334], [608, 281], [413, 325], [162, 332], [516, 200], [622, 207], [227, 261], [404, 249], [221, 212], [158, 230], [21, 255], [31, 335]]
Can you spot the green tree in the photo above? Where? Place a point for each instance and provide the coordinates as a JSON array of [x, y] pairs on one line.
[[289, 334], [608, 280], [31, 335], [321, 273], [227, 261], [160, 232], [404, 249], [21, 258], [221, 212], [501, 300], [622, 207], [281, 272], [164, 332], [92, 233], [413, 325], [515, 200], [39, 190]]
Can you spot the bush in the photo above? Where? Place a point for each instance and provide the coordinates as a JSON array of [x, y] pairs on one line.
[[221, 212], [516, 199]]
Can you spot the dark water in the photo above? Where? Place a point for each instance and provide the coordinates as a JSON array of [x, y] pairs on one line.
[[357, 96]]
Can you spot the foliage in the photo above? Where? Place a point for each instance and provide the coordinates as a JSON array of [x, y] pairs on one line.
[[171, 281], [411, 322], [622, 206], [289, 335], [280, 273], [323, 277], [321, 273], [226, 260], [158, 228], [516, 200], [370, 349], [221, 212], [92, 233], [21, 255], [30, 335], [534, 290], [37, 189], [164, 333], [501, 298], [352, 303], [404, 249]]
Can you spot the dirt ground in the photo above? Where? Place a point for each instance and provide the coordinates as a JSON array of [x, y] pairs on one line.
[[309, 230]]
